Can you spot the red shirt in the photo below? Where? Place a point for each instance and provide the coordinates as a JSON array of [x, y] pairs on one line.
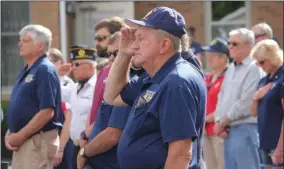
[[99, 92], [212, 98], [65, 107]]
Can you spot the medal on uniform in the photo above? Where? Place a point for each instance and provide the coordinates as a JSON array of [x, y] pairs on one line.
[[29, 78]]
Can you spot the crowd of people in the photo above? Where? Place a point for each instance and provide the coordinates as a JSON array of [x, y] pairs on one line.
[[142, 101]]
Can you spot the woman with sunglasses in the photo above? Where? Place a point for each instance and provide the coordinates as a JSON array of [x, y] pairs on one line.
[[267, 104]]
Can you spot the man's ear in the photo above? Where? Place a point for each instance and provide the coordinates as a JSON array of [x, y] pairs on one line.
[[40, 46], [165, 45]]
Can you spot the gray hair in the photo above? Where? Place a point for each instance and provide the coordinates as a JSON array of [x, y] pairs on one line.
[[175, 40], [264, 29], [245, 34], [38, 33]]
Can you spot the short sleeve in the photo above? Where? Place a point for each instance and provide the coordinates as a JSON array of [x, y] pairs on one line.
[[47, 88], [119, 116], [131, 90], [178, 114], [282, 90]]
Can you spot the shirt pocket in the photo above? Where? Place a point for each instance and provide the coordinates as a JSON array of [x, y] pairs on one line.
[[138, 118]]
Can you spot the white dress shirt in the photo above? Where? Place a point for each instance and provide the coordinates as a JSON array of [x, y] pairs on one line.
[[66, 88], [81, 105], [235, 97]]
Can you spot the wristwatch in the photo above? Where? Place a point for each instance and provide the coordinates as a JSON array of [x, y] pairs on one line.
[[83, 136], [82, 152]]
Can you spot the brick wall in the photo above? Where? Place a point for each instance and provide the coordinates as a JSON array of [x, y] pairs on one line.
[[272, 13], [192, 11], [47, 14]]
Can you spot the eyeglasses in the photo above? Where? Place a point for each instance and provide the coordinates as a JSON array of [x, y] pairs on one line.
[[114, 53], [259, 35], [77, 64], [233, 43], [100, 38]]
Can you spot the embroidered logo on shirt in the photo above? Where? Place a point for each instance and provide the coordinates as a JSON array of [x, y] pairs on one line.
[[29, 78]]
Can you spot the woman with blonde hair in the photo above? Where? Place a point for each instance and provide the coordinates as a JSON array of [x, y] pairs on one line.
[[267, 104]]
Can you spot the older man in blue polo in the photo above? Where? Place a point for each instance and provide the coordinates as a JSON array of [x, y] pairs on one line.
[[165, 126]]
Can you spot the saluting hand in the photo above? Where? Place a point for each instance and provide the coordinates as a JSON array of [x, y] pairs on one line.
[[126, 41], [65, 69]]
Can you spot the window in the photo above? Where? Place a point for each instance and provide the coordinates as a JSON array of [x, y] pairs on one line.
[[223, 16], [14, 16]]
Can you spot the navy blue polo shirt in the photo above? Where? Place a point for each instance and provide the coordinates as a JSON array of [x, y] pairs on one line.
[[36, 88], [108, 116], [196, 47], [168, 107], [270, 111]]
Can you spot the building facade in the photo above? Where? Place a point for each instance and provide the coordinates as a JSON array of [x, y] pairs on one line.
[[82, 16]]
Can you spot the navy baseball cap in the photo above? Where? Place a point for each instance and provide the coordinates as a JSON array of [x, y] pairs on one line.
[[217, 45], [163, 18]]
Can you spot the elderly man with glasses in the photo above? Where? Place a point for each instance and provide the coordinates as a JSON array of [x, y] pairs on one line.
[[262, 31], [84, 71], [235, 98]]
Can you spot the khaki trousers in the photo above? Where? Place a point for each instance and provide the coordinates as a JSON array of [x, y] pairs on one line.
[[37, 152], [213, 152]]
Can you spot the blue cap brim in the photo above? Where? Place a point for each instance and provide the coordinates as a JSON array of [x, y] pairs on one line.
[[208, 49], [133, 22]]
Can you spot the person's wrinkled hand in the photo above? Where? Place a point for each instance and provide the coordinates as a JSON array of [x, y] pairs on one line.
[[58, 158], [88, 131], [81, 161], [65, 69], [223, 134], [8, 145], [218, 128], [16, 139], [82, 143], [262, 91], [126, 41], [277, 157]]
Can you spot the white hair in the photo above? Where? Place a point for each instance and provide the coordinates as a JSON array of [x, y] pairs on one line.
[[245, 34], [175, 40], [264, 29], [38, 33], [268, 49]]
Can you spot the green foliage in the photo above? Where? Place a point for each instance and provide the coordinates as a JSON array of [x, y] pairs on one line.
[[223, 8]]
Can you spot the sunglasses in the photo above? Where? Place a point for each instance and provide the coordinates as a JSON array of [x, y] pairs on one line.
[[100, 38], [261, 62], [114, 53], [77, 64], [259, 35], [233, 43]]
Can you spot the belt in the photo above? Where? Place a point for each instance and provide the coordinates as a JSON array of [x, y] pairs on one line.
[[76, 142]]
